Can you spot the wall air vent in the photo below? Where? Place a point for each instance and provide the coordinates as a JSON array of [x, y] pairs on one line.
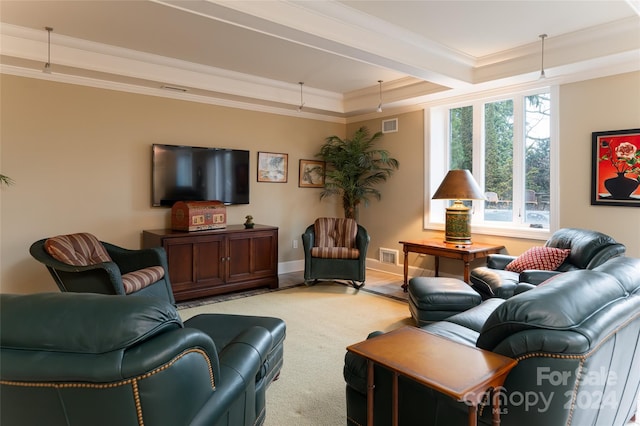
[[390, 126], [388, 256]]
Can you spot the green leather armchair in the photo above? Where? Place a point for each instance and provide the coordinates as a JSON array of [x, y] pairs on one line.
[[330, 262], [107, 277], [78, 359]]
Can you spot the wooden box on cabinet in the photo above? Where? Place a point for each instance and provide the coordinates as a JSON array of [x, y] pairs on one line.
[[208, 263], [198, 215]]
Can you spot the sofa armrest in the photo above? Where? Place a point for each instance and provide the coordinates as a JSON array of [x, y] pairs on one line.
[[240, 361], [499, 261], [493, 282], [522, 287], [355, 369], [609, 252]]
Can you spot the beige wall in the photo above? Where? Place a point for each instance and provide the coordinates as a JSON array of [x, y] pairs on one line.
[[81, 160], [610, 103]]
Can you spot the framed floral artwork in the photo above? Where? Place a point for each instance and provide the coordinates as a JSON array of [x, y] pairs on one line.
[[615, 177], [272, 167], [311, 174]]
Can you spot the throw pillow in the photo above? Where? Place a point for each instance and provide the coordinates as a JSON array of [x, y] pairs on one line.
[[137, 280], [541, 258], [81, 249]]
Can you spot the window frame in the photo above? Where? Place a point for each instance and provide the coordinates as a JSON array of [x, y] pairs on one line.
[[436, 130]]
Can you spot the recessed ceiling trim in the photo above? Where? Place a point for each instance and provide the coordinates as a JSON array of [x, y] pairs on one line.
[[338, 29], [23, 43], [621, 35]]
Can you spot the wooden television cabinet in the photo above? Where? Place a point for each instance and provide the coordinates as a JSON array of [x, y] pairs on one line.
[[207, 263]]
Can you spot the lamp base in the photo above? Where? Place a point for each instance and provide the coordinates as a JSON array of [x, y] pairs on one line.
[[458, 224]]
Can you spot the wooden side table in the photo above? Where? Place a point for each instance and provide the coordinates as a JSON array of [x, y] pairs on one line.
[[462, 372], [438, 248]]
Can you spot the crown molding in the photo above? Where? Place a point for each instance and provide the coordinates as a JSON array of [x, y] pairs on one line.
[[163, 93]]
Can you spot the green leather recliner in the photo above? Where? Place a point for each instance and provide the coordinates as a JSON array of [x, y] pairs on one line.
[[577, 342], [78, 359]]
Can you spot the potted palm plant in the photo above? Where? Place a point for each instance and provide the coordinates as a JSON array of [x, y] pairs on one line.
[[5, 180], [354, 167]]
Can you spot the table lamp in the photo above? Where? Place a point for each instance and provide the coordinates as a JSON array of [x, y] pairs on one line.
[[458, 185]]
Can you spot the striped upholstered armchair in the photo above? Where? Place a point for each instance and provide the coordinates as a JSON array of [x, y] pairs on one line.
[[335, 249], [81, 263]]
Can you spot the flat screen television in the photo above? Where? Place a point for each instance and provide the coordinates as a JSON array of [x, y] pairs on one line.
[[189, 173]]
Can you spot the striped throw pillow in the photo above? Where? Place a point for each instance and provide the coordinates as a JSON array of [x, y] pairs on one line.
[[80, 249], [137, 280]]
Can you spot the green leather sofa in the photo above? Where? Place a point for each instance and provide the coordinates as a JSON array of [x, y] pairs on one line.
[[78, 359], [577, 342], [588, 250]]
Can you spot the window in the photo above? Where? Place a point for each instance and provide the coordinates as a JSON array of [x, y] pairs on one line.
[[508, 145]]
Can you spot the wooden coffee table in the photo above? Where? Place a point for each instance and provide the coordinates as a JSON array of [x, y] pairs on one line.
[[438, 248], [462, 372]]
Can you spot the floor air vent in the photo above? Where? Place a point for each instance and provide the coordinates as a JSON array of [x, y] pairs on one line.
[[390, 126], [388, 256]]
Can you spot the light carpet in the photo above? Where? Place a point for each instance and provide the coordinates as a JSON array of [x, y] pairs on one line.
[[322, 321]]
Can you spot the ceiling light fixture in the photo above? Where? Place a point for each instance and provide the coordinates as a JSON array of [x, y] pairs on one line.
[[301, 83], [47, 66], [379, 96], [542, 74]]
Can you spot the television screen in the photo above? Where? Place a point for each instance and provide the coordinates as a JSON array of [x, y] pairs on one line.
[[188, 173]]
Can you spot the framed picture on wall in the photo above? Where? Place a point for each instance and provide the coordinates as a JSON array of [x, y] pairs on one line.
[[272, 167], [615, 177], [311, 174]]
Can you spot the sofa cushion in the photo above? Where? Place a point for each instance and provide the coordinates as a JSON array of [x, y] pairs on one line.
[[81, 249], [335, 238], [335, 252], [544, 258], [335, 232]]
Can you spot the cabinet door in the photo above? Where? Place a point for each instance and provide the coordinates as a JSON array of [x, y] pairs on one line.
[[210, 259], [252, 255], [195, 262]]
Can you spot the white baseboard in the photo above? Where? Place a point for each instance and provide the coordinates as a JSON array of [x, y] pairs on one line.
[[375, 264], [291, 266]]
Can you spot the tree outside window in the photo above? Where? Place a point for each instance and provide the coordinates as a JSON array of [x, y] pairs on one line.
[[510, 140]]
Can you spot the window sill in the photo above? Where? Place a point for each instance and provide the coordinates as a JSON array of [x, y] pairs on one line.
[[502, 231]]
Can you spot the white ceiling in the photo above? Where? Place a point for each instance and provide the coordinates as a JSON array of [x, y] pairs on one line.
[[254, 53]]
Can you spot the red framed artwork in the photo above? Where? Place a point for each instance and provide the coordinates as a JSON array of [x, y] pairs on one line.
[[616, 168]]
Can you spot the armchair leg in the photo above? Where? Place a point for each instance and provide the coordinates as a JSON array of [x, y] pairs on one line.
[[356, 285], [309, 283]]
